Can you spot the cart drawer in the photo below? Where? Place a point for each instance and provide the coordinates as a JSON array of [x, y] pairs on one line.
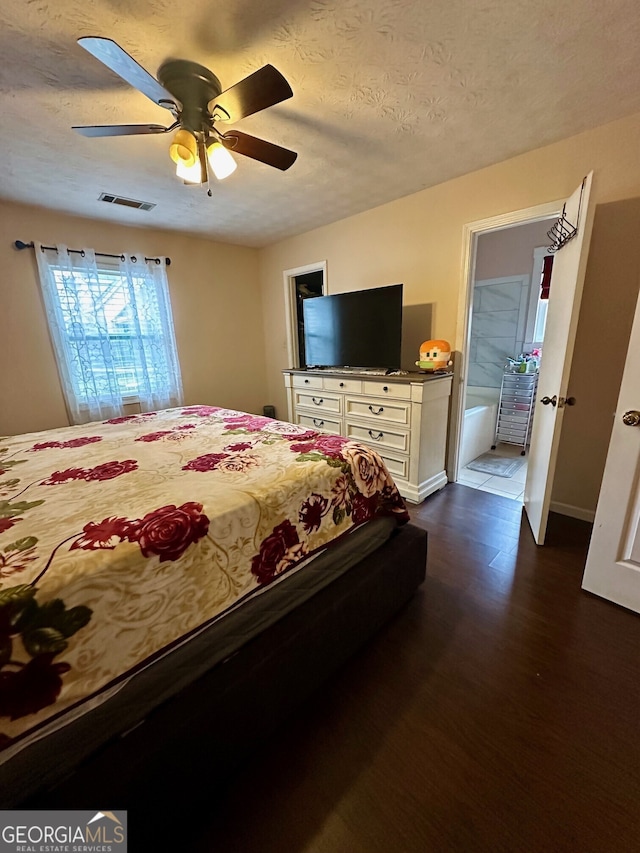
[[514, 407], [518, 433], [514, 418], [517, 397], [520, 380]]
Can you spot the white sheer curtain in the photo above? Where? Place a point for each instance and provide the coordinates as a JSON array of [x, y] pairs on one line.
[[154, 351], [112, 332], [79, 330]]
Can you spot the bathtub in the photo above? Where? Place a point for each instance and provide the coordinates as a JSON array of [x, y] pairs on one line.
[[479, 423]]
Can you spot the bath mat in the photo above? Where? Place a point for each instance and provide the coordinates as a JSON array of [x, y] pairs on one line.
[[497, 466]]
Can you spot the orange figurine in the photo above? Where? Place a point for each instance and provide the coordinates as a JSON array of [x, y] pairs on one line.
[[434, 355]]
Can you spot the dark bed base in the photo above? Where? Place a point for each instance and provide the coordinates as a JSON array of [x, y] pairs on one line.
[[210, 728]]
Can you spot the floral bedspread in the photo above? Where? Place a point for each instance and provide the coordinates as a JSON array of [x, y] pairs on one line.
[[119, 539]]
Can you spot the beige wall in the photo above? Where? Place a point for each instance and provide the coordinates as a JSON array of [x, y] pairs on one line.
[[418, 240], [228, 301], [510, 251], [215, 296]]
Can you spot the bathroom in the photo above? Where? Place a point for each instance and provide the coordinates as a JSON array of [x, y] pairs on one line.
[[507, 329]]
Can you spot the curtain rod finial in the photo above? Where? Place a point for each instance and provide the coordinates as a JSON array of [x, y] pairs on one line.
[[20, 244]]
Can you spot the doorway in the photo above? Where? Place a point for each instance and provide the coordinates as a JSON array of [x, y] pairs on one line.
[[508, 315], [299, 284], [500, 329]]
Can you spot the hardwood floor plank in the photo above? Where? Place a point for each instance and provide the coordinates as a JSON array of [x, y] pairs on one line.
[[497, 712]]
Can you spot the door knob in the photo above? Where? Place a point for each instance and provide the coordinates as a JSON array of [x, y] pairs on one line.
[[546, 400], [566, 401], [631, 418]]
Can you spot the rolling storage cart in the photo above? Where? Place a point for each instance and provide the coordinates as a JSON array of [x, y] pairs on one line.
[[515, 410]]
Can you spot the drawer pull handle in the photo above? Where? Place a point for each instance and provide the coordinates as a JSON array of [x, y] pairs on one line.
[[318, 402], [342, 384], [385, 387], [306, 381], [376, 437], [379, 412], [317, 422]]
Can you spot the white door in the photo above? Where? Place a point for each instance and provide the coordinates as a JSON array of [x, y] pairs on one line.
[[613, 561], [567, 279]]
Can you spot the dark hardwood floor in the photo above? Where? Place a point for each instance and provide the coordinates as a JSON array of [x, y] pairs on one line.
[[499, 711]]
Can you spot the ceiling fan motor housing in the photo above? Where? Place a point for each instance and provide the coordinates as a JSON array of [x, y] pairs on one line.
[[194, 86]]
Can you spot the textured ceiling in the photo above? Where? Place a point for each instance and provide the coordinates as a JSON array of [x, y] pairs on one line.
[[390, 97]]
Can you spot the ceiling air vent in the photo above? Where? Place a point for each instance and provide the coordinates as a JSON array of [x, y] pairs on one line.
[[127, 202]]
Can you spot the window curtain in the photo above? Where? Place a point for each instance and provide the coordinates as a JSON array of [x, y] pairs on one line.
[[112, 333], [155, 355], [78, 326], [545, 283]]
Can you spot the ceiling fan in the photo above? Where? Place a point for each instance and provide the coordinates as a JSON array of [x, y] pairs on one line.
[[194, 97]]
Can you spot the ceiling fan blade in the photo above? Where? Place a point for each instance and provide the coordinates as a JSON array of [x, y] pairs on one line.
[[259, 90], [120, 129], [119, 61], [259, 149]]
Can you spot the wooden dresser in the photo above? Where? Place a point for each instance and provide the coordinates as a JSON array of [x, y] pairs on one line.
[[404, 417]]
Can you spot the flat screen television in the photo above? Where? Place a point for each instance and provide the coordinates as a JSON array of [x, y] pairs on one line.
[[358, 329]]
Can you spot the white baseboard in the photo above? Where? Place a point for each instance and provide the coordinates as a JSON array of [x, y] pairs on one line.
[[573, 511], [417, 494]]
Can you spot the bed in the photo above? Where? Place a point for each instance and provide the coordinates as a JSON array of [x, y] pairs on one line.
[[174, 584]]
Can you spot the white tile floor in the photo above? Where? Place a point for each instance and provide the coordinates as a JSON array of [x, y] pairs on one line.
[[508, 487]]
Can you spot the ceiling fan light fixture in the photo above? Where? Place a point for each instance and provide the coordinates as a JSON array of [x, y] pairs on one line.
[[221, 162], [191, 174], [184, 149]]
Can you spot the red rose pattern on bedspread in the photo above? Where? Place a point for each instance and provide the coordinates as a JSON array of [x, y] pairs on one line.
[[324, 485]]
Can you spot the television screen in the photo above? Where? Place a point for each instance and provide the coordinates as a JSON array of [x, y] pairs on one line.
[[360, 329]]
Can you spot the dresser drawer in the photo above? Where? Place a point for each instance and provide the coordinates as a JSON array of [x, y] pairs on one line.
[[389, 439], [307, 382], [319, 422], [334, 383], [397, 466], [378, 410], [399, 390], [319, 401]]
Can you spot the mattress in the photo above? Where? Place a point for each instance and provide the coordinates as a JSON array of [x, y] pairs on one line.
[[31, 768], [128, 542]]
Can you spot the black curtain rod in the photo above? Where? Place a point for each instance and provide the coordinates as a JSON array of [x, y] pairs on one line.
[[19, 244]]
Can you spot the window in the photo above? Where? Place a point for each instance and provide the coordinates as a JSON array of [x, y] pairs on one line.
[[108, 293], [112, 330], [541, 321], [537, 310]]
